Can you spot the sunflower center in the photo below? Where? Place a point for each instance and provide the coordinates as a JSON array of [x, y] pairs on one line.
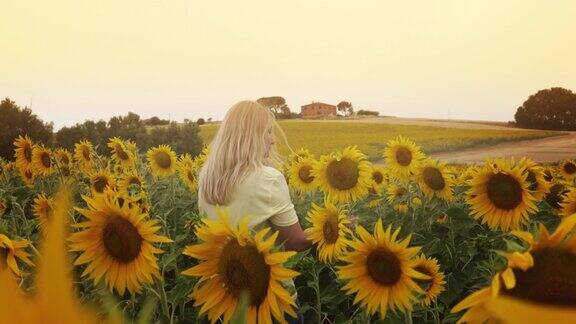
[[163, 160], [532, 181], [378, 177], [304, 174], [121, 239], [424, 283], [64, 159], [554, 197], [86, 153], [330, 229], [550, 281], [121, 153], [504, 191], [100, 183], [243, 268], [433, 178], [191, 176], [570, 168], [384, 267], [403, 156], [400, 192], [548, 176], [45, 158], [28, 152], [343, 174]]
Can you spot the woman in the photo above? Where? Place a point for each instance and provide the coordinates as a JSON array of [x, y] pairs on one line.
[[238, 175]]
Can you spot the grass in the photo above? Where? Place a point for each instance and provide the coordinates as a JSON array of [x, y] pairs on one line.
[[322, 137]]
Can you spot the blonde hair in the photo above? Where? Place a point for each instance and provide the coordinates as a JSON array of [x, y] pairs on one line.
[[238, 149]]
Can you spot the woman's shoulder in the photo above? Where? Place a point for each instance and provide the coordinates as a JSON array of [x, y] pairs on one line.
[[271, 173]]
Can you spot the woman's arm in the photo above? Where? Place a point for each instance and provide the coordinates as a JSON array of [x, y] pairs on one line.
[[293, 237]]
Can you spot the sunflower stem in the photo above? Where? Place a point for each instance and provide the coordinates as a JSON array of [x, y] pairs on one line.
[[408, 316], [163, 300]]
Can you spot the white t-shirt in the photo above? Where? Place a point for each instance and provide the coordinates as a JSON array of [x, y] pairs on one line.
[[263, 195]]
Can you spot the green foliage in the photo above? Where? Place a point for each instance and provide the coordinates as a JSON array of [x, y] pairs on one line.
[[184, 138], [15, 121]]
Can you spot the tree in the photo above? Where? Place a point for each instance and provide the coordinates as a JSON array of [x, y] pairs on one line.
[[277, 105], [345, 108], [553, 109], [200, 121], [15, 121]]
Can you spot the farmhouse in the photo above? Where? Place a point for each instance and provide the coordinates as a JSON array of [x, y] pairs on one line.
[[317, 109]]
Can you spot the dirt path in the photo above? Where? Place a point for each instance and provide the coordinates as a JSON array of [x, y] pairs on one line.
[[550, 149]]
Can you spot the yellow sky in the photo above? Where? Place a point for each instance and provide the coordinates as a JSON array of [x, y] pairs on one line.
[[78, 59]]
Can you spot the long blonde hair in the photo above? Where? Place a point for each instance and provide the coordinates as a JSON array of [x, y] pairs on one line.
[[238, 149]]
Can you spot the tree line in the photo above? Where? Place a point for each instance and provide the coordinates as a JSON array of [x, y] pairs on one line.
[[15, 121]]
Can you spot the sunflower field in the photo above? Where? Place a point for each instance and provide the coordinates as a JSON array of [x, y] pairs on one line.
[[118, 238]]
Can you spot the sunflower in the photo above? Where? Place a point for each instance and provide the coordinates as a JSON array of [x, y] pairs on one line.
[[556, 195], [499, 196], [549, 174], [568, 169], [329, 231], [23, 152], [11, 251], [538, 284], [381, 271], [64, 161], [42, 161], [343, 176], [132, 185], [402, 157], [232, 261], [120, 154], [54, 299], [433, 286], [117, 243], [300, 174], [435, 180], [397, 197], [467, 175], [43, 208], [535, 177], [568, 204], [396, 193], [188, 171], [27, 177], [201, 159], [100, 180], [379, 179], [162, 160], [84, 155], [63, 156], [301, 153]]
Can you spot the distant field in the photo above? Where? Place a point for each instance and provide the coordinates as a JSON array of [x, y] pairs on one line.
[[322, 137]]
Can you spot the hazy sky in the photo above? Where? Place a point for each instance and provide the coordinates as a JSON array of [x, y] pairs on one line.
[[91, 59]]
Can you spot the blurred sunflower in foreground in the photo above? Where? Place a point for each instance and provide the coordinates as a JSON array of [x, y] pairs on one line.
[[233, 261], [537, 286]]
